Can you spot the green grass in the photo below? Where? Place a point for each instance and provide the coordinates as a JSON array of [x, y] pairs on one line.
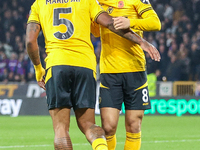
[[158, 133]]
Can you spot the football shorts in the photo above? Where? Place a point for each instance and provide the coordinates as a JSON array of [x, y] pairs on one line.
[[130, 88], [70, 86]]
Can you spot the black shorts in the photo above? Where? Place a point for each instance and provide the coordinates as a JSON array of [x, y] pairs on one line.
[[130, 88], [70, 86]]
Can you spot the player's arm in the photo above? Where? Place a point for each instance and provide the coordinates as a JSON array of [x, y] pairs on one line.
[[107, 21], [95, 29], [149, 22], [32, 32]]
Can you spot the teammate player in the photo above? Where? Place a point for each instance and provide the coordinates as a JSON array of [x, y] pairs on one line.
[[122, 67], [70, 63]]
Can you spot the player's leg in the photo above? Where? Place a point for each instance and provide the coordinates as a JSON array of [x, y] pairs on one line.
[[84, 100], [59, 104], [86, 122], [111, 98], [61, 121], [133, 121], [136, 100], [109, 121]]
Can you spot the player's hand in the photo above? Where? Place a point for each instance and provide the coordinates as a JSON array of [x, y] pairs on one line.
[[39, 74], [149, 48], [42, 84], [121, 23]]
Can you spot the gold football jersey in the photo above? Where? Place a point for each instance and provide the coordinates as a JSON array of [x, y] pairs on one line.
[[66, 28], [119, 55]]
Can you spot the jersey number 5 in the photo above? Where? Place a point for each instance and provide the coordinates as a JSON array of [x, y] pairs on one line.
[[58, 21]]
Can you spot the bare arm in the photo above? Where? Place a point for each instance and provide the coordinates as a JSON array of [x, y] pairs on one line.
[[107, 21], [32, 33]]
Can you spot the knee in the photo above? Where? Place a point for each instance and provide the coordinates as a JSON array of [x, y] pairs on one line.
[[133, 125], [85, 126], [109, 128]]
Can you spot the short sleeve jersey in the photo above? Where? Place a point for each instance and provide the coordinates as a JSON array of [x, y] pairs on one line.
[[119, 55], [66, 28]]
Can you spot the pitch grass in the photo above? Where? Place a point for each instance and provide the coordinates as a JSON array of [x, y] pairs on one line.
[[158, 133]]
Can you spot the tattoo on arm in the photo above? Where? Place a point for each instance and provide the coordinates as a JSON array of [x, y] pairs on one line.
[[33, 27], [126, 33], [105, 20], [32, 32]]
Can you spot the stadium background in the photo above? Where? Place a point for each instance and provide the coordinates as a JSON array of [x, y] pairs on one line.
[[173, 82]]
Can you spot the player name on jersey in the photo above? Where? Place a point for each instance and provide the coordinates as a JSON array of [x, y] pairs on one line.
[[60, 1]]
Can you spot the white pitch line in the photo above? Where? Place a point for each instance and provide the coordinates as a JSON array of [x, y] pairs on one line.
[[22, 146], [77, 144], [172, 141]]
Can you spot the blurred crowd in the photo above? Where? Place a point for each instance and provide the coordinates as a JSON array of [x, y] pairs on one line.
[[178, 41], [15, 66]]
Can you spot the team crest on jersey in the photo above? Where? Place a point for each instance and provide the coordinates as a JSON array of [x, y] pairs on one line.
[[145, 1], [120, 4], [109, 10]]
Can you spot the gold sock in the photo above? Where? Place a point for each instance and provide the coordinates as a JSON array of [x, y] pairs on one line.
[[133, 141], [99, 144], [111, 141]]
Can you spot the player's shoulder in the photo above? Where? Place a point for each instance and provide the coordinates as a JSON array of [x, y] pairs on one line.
[[42, 1], [36, 3], [39, 2]]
